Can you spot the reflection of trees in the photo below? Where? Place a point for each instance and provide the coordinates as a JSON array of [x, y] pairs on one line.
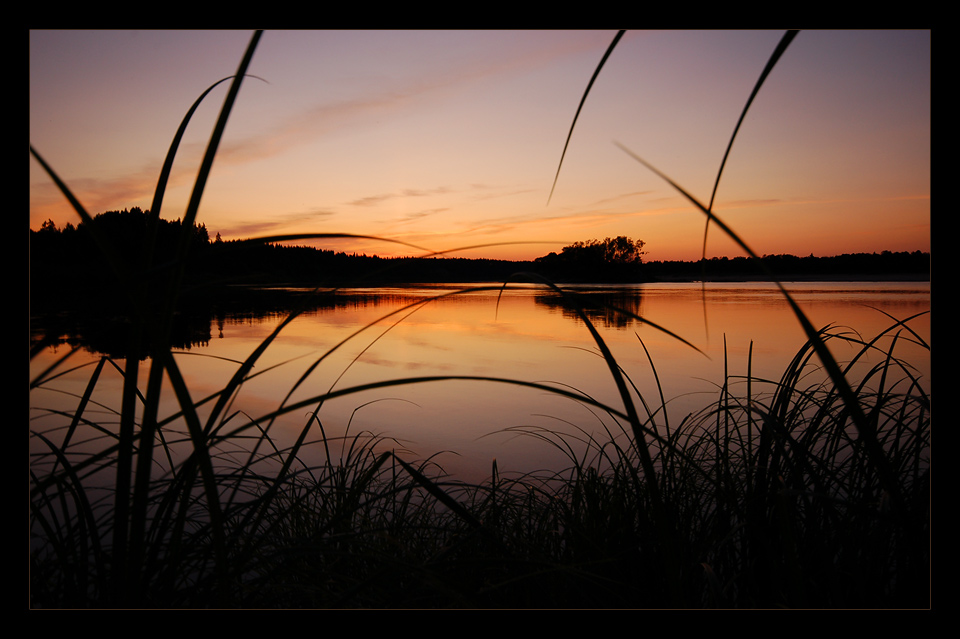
[[108, 334], [203, 319], [105, 332], [601, 306]]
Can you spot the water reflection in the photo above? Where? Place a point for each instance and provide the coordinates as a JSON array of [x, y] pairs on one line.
[[350, 338], [109, 335], [603, 306], [191, 328]]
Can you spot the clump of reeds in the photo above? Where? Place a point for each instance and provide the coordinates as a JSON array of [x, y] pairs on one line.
[[785, 504], [770, 496], [807, 491]]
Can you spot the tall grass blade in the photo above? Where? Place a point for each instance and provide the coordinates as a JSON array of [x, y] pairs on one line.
[[576, 115], [777, 53], [84, 400], [163, 358], [656, 378]]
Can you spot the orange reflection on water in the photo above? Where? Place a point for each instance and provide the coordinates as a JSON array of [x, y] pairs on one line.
[[530, 336]]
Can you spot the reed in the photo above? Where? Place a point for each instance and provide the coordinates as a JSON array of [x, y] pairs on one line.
[[811, 490]]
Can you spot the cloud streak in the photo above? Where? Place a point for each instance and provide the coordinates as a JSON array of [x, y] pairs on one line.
[[364, 110], [373, 200], [275, 225]]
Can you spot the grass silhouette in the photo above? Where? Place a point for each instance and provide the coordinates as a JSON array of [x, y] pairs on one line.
[[811, 490]]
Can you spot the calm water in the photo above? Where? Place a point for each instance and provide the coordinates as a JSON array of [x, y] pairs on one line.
[[527, 334]]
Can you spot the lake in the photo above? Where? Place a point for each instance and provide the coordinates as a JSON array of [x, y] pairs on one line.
[[527, 333]]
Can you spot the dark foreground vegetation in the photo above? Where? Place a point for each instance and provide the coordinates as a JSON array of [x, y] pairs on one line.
[[811, 490], [766, 498]]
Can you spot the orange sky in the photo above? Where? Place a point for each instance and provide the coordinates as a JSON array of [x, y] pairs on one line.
[[451, 139]]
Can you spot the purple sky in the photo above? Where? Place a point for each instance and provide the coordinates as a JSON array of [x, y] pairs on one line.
[[450, 139]]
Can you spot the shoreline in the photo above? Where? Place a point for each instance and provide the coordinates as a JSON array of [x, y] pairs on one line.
[[800, 277], [719, 279]]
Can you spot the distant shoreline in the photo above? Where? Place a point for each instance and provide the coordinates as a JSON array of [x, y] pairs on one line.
[[68, 271], [732, 279], [801, 277]]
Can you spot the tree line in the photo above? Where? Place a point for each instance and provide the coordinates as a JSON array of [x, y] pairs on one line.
[[65, 262], [892, 265]]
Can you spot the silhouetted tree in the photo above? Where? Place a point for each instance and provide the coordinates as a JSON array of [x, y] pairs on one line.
[[618, 250], [610, 259]]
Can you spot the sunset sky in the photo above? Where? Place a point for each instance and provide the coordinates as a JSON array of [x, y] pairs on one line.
[[447, 139]]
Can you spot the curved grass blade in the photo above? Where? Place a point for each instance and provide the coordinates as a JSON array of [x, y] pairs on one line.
[[207, 164], [777, 53], [919, 340], [157, 202], [175, 144], [319, 236], [489, 245], [406, 381], [603, 60]]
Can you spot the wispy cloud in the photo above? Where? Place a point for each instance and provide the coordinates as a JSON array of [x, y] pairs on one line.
[[372, 200], [274, 224], [621, 197], [419, 215], [336, 116]]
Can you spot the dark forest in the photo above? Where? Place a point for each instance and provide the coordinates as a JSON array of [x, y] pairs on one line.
[[66, 265]]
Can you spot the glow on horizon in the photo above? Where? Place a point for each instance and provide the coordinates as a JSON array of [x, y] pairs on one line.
[[449, 139]]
